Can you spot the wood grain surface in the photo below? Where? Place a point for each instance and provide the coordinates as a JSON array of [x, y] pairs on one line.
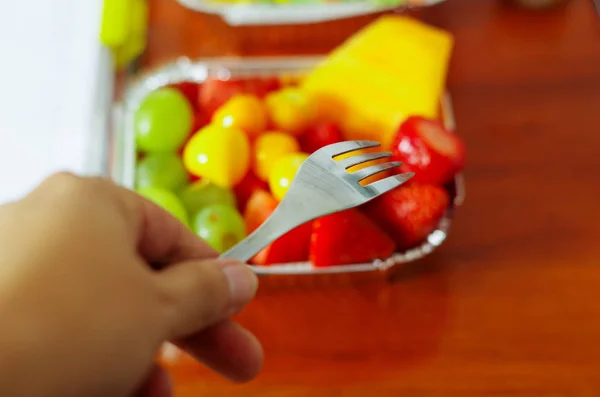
[[510, 305]]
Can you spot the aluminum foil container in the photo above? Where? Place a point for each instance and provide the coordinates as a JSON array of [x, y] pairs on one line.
[[123, 154], [267, 12]]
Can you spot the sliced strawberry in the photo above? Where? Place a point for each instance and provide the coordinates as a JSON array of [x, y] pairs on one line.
[[410, 213], [261, 86], [348, 237], [320, 135], [244, 190], [429, 150], [214, 93], [190, 90], [291, 247]]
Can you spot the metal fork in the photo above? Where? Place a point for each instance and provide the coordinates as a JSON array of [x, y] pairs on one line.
[[321, 187]]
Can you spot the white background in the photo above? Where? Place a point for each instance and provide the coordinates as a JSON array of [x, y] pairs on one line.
[[50, 55]]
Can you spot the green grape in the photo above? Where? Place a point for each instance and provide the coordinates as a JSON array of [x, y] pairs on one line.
[[163, 121], [167, 200], [220, 225], [163, 170], [203, 193]]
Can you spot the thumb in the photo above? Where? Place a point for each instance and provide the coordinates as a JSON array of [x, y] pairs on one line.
[[203, 293]]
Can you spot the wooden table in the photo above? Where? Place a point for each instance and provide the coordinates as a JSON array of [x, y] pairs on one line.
[[510, 305]]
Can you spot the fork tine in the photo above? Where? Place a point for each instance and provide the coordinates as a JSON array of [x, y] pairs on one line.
[[375, 169], [363, 158], [391, 182], [340, 148]]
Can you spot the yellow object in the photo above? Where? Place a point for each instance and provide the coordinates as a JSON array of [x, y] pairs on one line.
[[124, 29], [394, 68], [291, 110], [221, 155], [115, 22], [283, 173], [245, 112], [269, 148]]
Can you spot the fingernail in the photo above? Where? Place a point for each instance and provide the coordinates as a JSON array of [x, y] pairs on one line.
[[243, 284]]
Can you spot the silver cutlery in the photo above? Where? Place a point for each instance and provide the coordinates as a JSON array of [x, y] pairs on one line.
[[322, 186]]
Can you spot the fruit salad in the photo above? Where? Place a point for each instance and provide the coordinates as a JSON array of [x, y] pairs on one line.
[[221, 154]]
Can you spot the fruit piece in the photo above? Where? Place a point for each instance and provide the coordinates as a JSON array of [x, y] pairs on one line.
[[269, 148], [369, 87], [291, 247], [290, 79], [246, 187], [320, 135], [190, 90], [348, 237], [204, 193], [163, 121], [214, 93], [243, 111], [260, 206], [134, 18], [220, 225], [167, 200], [162, 170], [283, 172], [261, 86], [201, 120], [221, 155], [115, 23], [426, 148], [291, 110], [410, 213]]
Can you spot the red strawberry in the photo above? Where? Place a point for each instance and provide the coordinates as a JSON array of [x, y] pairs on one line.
[[429, 150], [244, 190], [201, 119], [214, 93], [320, 135], [190, 90], [291, 247], [348, 237], [410, 213], [261, 86]]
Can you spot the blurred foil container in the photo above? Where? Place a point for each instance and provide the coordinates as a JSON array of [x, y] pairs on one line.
[[123, 152], [266, 12]]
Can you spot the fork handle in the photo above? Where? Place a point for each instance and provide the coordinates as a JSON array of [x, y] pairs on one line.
[[269, 231]]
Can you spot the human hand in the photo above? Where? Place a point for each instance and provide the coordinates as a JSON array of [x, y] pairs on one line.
[[94, 278]]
